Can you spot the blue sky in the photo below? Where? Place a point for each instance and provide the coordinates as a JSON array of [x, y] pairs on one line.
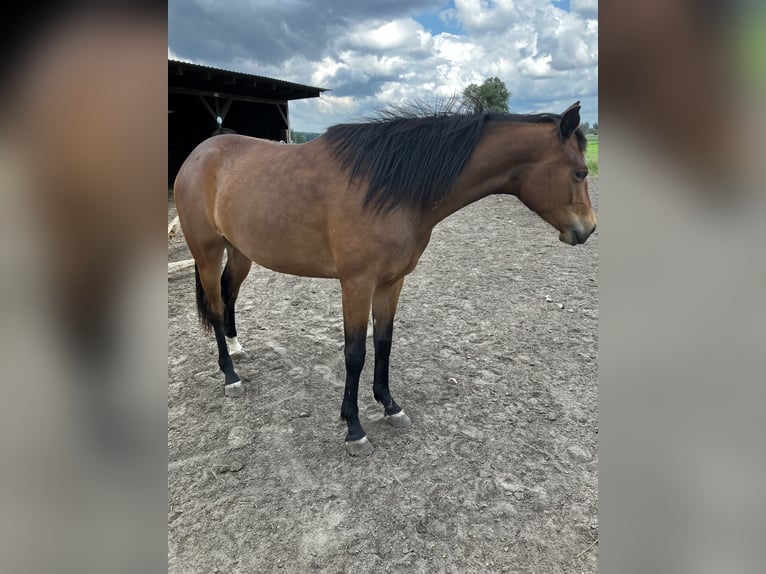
[[372, 54], [436, 25]]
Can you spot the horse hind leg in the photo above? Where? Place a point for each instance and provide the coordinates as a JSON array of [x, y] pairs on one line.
[[235, 272], [211, 312]]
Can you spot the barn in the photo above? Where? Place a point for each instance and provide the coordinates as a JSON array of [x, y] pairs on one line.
[[202, 100]]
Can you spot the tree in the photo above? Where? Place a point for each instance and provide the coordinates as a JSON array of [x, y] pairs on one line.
[[491, 96], [297, 137]]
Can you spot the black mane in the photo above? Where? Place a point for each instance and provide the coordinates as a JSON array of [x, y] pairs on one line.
[[415, 158]]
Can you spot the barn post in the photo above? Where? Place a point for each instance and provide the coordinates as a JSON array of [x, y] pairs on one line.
[[285, 113]]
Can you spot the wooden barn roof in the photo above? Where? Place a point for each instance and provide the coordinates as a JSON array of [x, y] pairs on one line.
[[198, 80]]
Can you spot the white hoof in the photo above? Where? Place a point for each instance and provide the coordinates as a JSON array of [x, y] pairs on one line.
[[361, 447], [234, 389], [399, 421]]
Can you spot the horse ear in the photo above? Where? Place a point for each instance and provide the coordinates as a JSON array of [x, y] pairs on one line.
[[570, 120]]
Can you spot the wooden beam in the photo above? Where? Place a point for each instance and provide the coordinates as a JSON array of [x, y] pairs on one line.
[[236, 97], [204, 102], [282, 113], [226, 107]]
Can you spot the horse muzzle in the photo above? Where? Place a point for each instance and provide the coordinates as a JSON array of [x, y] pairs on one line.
[[576, 235]]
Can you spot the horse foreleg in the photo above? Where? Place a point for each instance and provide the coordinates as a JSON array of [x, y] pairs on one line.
[[357, 299], [384, 304]]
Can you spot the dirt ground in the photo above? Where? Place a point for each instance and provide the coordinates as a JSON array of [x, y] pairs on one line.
[[494, 359]]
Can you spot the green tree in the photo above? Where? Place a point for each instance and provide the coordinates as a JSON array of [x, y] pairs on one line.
[[491, 96], [297, 137]]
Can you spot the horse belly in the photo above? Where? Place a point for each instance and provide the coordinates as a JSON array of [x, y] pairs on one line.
[[304, 256], [322, 269], [277, 228]]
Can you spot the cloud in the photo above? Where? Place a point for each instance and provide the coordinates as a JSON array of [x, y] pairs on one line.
[[478, 15], [574, 43], [375, 53], [536, 67], [585, 8], [405, 35]]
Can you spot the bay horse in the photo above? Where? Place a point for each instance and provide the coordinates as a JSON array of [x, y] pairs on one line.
[[358, 204]]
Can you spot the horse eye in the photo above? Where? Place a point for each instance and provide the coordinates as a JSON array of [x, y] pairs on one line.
[[580, 175]]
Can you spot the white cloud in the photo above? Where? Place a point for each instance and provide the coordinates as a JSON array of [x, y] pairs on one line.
[[325, 69], [547, 57], [536, 67], [337, 105], [405, 34], [481, 15], [457, 49], [586, 8], [571, 52], [576, 44]]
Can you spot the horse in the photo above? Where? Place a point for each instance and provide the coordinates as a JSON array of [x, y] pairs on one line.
[[358, 204]]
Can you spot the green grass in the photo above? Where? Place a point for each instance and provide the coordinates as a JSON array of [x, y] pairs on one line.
[[591, 154], [751, 46]]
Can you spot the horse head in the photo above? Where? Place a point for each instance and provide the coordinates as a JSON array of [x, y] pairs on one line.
[[556, 186]]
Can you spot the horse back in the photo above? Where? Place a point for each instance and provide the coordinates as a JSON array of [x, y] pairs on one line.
[[269, 200]]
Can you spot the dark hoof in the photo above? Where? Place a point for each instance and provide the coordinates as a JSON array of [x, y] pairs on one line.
[[361, 447], [399, 421], [234, 389]]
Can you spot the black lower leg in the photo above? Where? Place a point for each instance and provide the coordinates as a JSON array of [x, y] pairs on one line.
[[224, 360], [354, 354], [228, 295], [383, 337]]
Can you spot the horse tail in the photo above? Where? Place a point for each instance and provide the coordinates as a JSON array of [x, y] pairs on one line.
[[203, 307]]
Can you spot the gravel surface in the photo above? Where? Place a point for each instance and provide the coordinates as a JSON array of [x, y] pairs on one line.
[[495, 360]]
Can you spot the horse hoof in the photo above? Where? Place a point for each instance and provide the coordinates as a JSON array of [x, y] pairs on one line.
[[234, 389], [399, 421], [361, 447], [238, 355]]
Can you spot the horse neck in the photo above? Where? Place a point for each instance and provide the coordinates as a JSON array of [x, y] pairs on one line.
[[502, 154]]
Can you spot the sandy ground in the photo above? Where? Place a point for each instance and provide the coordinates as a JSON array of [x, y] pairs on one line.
[[494, 359]]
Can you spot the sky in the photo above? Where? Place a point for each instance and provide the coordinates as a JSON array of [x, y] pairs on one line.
[[373, 54]]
